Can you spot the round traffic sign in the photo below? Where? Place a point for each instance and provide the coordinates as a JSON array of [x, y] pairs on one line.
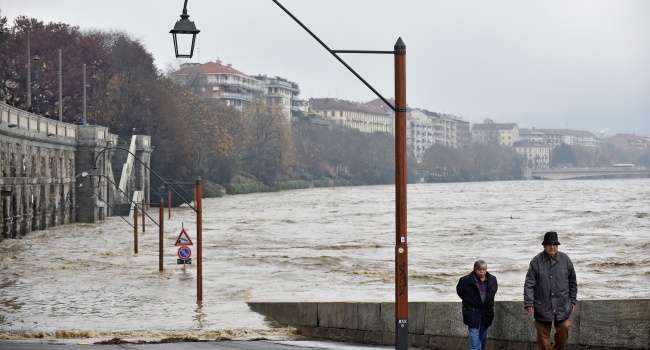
[[184, 252]]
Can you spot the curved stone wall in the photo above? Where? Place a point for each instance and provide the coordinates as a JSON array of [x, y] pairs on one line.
[[41, 165]]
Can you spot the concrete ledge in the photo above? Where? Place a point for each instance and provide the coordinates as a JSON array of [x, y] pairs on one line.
[[596, 324]]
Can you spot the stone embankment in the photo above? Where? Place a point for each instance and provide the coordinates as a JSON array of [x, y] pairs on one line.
[[596, 324]]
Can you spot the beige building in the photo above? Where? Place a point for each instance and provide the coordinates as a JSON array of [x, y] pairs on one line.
[[503, 134], [363, 117], [536, 155]]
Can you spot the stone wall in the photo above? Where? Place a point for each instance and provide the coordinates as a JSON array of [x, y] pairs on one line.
[[596, 324], [42, 162]]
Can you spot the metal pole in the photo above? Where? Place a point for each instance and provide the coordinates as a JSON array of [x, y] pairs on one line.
[[169, 204], [199, 242], [85, 94], [135, 230], [60, 89], [401, 252], [161, 217], [29, 71]]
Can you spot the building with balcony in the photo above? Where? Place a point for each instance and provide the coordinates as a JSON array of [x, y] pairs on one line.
[[536, 154], [556, 137], [532, 135], [504, 134], [354, 115], [281, 93], [420, 130], [629, 142], [221, 82]]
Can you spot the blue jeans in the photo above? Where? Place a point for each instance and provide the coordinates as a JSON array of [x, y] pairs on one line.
[[477, 337]]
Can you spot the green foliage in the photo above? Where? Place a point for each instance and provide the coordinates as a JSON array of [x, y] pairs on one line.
[[242, 185], [211, 190]]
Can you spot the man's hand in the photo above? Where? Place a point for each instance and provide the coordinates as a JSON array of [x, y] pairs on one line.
[[529, 309]]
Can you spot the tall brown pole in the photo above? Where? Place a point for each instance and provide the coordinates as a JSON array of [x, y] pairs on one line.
[[135, 229], [199, 242], [401, 251], [161, 217], [143, 212]]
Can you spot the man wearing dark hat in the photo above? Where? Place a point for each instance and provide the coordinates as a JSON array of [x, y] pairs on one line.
[[550, 292]]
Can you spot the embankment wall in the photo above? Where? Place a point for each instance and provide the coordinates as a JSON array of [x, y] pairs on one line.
[[596, 324]]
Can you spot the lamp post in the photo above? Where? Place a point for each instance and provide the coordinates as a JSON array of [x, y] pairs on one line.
[[29, 71], [84, 94], [37, 107], [187, 27]]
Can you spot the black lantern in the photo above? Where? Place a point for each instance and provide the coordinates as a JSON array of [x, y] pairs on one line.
[[95, 173], [184, 26]]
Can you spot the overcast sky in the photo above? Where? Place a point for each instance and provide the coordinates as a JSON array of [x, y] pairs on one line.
[[547, 64]]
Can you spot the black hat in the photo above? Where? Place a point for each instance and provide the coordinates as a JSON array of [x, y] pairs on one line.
[[550, 238]]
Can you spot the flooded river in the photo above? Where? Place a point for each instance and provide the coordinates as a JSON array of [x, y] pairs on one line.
[[329, 244]]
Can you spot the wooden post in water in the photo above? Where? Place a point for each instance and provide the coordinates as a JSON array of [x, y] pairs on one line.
[[401, 252], [135, 229], [199, 241], [161, 217], [143, 212]]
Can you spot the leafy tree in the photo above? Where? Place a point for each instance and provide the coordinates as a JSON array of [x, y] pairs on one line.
[[268, 143]]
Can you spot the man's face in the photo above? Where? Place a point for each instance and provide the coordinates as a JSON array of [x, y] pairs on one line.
[[480, 272], [550, 249]]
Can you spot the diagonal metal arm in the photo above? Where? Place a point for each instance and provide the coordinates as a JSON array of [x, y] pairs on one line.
[[145, 165], [334, 53], [98, 196]]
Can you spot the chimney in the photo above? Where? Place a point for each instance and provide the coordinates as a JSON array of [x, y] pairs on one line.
[[229, 65]]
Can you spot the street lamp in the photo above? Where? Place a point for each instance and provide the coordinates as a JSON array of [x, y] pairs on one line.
[[37, 107], [185, 26]]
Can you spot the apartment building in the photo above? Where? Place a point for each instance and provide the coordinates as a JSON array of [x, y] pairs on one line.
[[222, 82], [363, 117], [463, 134], [504, 134], [424, 128], [281, 93], [420, 132], [629, 142], [556, 137], [536, 154], [532, 135]]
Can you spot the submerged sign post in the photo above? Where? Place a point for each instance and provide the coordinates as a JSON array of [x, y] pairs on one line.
[[184, 252]]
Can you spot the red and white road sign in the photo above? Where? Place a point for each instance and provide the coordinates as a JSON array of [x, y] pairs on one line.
[[183, 239]]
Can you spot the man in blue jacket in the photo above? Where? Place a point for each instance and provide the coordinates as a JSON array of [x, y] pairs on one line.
[[550, 292], [477, 290]]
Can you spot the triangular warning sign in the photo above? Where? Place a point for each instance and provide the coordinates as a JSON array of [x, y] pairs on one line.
[[183, 239]]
